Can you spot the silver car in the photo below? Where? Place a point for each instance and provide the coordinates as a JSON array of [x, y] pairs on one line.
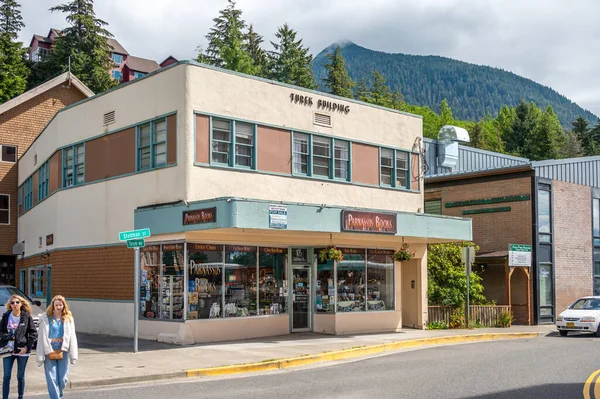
[[6, 291]]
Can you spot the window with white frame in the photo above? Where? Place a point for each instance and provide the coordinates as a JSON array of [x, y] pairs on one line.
[[43, 181], [342, 159], [74, 165], [117, 58], [233, 149], [300, 153], [116, 74], [394, 167], [9, 153], [4, 209], [321, 152], [152, 144]]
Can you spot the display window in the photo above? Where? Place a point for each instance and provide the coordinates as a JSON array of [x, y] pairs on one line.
[[351, 281], [149, 281], [240, 281], [380, 279], [205, 281], [325, 285], [272, 281]]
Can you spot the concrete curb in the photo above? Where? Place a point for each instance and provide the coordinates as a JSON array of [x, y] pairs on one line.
[[279, 364]]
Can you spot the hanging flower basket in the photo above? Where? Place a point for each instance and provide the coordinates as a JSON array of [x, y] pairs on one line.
[[403, 254], [331, 253]]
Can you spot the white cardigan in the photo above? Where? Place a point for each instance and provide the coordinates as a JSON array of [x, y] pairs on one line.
[[44, 346]]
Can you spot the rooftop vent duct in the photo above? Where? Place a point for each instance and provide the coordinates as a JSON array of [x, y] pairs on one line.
[[448, 139]]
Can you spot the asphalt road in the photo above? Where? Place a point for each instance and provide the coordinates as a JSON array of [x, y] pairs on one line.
[[549, 367]]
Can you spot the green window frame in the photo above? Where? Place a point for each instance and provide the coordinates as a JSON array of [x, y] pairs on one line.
[[28, 193], [320, 157], [43, 181], [394, 167], [20, 195], [73, 165], [232, 143], [151, 144]]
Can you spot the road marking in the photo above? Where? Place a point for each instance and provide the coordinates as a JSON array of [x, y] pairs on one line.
[[587, 385]]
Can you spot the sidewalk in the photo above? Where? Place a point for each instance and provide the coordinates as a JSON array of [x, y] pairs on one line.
[[105, 360]]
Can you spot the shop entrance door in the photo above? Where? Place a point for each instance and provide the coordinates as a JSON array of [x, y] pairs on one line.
[[301, 320]]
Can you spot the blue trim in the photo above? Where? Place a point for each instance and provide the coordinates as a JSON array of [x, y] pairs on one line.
[[232, 143], [195, 135], [104, 180], [43, 181]]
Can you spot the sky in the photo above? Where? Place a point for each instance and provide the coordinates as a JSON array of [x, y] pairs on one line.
[[553, 42]]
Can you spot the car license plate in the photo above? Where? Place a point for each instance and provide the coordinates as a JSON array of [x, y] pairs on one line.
[[570, 325]]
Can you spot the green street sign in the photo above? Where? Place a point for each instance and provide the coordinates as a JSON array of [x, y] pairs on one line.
[[136, 243], [519, 248], [134, 234]]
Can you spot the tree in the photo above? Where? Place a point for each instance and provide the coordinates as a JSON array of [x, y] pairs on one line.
[[477, 136], [253, 47], [584, 133], [447, 277], [13, 70], [572, 146], [291, 60], [338, 81], [227, 45], [446, 117], [523, 125], [84, 42], [544, 142]]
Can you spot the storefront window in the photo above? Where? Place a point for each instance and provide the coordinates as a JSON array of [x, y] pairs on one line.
[[171, 282], [380, 284], [149, 284], [272, 282], [351, 281], [325, 288], [205, 273], [240, 281], [544, 211]]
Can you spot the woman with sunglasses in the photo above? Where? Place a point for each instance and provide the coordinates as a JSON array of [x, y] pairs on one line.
[[17, 331], [57, 345]]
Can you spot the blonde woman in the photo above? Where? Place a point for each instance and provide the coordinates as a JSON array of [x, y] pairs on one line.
[[57, 345], [18, 332]]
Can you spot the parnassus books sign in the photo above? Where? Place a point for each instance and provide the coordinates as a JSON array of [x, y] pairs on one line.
[[368, 222], [208, 215]]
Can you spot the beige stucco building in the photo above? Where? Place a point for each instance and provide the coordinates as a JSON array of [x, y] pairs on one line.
[[244, 184]]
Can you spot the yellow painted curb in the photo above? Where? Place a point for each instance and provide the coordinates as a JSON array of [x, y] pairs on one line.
[[278, 364]]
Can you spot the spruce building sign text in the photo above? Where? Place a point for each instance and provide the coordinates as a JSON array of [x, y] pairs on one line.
[[322, 105]]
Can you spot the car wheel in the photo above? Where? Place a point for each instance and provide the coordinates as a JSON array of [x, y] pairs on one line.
[[563, 333], [598, 331]]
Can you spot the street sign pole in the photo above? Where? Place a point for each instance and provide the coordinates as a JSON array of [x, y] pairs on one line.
[[468, 278], [136, 296], [468, 257]]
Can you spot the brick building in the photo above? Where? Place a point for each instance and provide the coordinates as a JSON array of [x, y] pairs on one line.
[[244, 185], [552, 206], [21, 120]]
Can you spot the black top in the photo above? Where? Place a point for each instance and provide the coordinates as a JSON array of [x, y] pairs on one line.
[[24, 336]]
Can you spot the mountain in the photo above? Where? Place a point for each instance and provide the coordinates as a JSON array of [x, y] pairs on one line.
[[471, 90]]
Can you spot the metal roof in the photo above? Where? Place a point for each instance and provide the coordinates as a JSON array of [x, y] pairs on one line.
[[584, 170]]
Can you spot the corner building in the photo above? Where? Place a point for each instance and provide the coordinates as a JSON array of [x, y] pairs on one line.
[[243, 186]]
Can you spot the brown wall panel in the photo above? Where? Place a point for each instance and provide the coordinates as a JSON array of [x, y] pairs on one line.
[[55, 172], [274, 150], [202, 138], [121, 153], [96, 159], [365, 164], [414, 172], [172, 140]]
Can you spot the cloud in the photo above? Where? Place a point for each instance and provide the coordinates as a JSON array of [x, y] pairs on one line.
[[552, 42]]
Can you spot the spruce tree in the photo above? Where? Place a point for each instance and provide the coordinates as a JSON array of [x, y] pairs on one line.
[[85, 43], [545, 140], [581, 129], [338, 81], [523, 125], [446, 117], [291, 60], [253, 46], [13, 69], [226, 42]]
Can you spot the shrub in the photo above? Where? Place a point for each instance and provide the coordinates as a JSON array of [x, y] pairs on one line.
[[505, 319], [437, 325]]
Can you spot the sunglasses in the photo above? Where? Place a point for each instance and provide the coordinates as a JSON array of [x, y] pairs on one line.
[[15, 303]]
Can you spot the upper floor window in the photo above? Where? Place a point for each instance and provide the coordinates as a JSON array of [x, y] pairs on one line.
[[43, 181], [28, 193], [233, 143], [39, 53], [138, 74], [394, 167], [74, 165], [321, 156], [9, 153], [117, 58], [152, 144], [4, 209], [117, 74]]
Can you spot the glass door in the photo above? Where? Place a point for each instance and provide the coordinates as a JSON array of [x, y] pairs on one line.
[[301, 319]]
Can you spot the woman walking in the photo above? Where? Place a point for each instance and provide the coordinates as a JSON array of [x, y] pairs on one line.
[[57, 345], [18, 332]]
